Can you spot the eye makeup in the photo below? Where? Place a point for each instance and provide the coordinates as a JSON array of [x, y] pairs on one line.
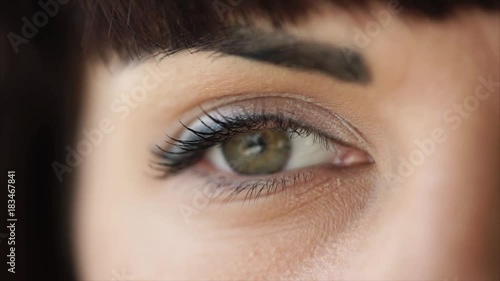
[[219, 128], [186, 152]]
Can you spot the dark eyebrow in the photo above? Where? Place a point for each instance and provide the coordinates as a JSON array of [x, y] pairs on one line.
[[283, 50]]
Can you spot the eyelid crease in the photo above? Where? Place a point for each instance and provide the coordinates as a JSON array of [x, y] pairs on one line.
[[241, 115], [199, 141]]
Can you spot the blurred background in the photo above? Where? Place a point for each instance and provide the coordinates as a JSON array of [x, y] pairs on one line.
[[39, 88]]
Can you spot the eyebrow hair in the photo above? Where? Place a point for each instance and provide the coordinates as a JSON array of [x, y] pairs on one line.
[[283, 50]]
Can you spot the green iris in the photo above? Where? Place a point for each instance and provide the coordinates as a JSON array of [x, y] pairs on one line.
[[258, 152]]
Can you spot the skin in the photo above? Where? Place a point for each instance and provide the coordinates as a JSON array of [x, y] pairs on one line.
[[437, 222]]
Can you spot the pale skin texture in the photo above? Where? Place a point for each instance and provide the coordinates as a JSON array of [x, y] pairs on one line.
[[438, 222]]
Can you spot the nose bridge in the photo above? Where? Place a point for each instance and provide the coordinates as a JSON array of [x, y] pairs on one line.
[[448, 221]]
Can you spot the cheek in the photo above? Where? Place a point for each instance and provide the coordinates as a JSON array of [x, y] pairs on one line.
[[178, 229], [254, 238]]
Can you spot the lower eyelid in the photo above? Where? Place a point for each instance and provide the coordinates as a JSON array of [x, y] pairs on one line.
[[344, 192], [231, 188], [236, 188]]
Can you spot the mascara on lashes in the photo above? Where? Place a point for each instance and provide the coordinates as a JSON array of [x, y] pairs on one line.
[[191, 145]]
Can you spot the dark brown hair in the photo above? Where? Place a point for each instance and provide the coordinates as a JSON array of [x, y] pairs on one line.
[[40, 92], [134, 28]]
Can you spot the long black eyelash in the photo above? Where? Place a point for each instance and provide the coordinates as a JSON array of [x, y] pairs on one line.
[[183, 153]]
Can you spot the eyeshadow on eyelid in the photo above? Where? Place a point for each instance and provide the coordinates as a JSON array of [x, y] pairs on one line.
[[188, 146]]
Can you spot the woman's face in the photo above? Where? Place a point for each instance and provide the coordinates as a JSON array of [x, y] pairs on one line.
[[352, 145]]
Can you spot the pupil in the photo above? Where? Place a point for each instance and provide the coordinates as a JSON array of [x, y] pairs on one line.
[[255, 144], [260, 152]]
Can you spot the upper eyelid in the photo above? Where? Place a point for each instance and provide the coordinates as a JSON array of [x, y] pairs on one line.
[[264, 110], [190, 149], [247, 123], [323, 121]]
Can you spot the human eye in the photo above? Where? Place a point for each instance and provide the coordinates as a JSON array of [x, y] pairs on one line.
[[261, 146]]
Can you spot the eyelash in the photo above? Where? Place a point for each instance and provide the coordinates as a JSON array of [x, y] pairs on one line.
[[190, 151], [254, 188]]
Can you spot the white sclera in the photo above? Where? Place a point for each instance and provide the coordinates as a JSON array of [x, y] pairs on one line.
[[305, 152]]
